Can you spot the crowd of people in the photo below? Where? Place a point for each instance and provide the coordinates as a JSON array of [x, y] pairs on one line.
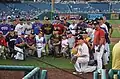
[[81, 40]]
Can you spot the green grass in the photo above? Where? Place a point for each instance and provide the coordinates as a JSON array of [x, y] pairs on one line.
[[59, 62], [114, 21], [110, 63], [116, 32]]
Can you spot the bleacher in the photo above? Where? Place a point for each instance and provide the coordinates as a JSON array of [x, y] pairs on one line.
[[33, 8], [78, 7], [101, 6], [115, 7], [60, 7]]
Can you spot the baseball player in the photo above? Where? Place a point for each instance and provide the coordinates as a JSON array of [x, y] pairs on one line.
[[98, 44], [4, 27], [40, 43], [82, 56], [19, 47], [20, 27]]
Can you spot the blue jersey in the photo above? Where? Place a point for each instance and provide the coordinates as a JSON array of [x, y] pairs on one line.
[[20, 40], [5, 28], [36, 27]]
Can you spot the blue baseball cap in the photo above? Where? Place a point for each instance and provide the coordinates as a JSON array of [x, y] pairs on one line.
[[22, 33]]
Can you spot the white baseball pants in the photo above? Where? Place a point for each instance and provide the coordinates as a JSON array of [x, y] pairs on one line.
[[98, 56]]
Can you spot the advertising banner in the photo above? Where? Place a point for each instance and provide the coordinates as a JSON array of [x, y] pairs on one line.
[[114, 16], [93, 16]]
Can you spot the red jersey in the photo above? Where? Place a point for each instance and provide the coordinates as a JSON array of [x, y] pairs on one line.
[[3, 41], [59, 27], [99, 37]]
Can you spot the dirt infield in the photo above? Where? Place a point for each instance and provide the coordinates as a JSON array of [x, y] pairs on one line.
[[52, 74], [59, 74], [11, 75]]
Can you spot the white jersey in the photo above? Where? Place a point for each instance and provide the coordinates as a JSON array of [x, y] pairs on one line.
[[19, 28], [83, 50], [72, 28], [104, 26], [28, 28], [64, 43], [40, 41]]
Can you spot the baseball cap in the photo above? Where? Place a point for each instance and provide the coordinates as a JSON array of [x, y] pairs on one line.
[[36, 18], [81, 18], [79, 37], [22, 33], [95, 23], [57, 18], [11, 29], [100, 18], [8, 17], [46, 18], [17, 16], [28, 19], [21, 19]]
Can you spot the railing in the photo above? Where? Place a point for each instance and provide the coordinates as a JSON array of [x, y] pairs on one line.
[[101, 74], [31, 72]]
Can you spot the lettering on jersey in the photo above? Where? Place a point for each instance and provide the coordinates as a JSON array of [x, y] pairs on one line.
[[4, 28]]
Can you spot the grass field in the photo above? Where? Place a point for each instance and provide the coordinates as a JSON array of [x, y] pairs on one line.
[[59, 62], [116, 29], [114, 21]]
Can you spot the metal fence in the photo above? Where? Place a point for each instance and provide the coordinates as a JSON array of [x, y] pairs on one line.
[[31, 72], [101, 74]]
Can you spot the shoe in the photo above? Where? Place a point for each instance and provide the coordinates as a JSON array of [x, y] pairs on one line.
[[4, 57], [80, 73], [75, 73]]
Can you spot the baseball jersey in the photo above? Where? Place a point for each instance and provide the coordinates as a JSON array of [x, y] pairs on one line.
[[40, 41], [83, 50], [47, 29], [36, 27], [19, 28], [5, 28], [28, 28], [72, 28], [65, 43]]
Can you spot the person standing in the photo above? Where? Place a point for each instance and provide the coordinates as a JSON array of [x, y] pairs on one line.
[[72, 27], [4, 27], [98, 44], [107, 49], [28, 27], [36, 27], [20, 27], [47, 29]]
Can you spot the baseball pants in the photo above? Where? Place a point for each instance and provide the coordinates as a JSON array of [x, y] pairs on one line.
[[81, 64], [98, 56], [39, 51]]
